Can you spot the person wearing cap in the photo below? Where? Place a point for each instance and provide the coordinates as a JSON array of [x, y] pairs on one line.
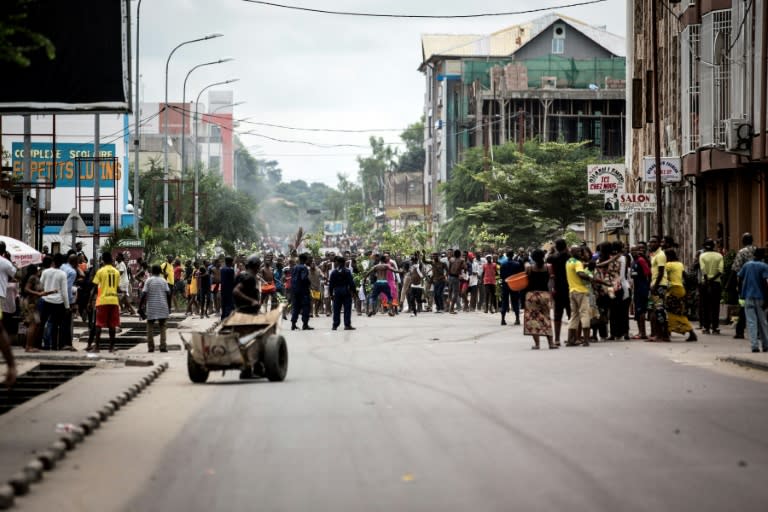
[[745, 254], [711, 265]]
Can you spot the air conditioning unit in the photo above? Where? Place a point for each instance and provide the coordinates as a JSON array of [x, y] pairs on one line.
[[738, 134]]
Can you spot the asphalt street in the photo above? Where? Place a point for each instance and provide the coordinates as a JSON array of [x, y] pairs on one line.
[[439, 412]]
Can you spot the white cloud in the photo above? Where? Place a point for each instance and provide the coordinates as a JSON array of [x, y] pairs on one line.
[[313, 70]]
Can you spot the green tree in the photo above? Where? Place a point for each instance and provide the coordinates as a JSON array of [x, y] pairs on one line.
[[372, 170], [531, 196], [414, 156], [18, 41]]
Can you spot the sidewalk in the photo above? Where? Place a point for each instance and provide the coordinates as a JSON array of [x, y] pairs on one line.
[[31, 428], [714, 351]]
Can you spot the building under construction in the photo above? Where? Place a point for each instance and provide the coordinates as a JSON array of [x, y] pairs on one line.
[[552, 79]]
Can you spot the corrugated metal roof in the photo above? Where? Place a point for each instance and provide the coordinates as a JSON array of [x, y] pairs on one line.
[[508, 40]]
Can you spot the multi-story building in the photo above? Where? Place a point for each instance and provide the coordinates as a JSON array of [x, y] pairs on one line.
[[712, 81], [553, 78], [211, 144]]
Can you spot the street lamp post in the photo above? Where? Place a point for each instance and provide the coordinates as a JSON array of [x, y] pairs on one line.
[[136, 115], [184, 108], [165, 124]]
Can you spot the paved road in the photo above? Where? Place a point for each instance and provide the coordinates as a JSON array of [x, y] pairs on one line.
[[435, 413]]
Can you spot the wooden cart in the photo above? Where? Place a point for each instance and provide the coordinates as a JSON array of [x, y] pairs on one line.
[[250, 343]]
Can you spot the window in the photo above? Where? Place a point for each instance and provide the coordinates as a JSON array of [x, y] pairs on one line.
[[213, 163], [715, 77], [689, 87], [558, 46], [215, 133]]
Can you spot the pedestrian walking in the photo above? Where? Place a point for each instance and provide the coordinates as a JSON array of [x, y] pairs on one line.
[[416, 286], [674, 303], [300, 287], [56, 304], [439, 270], [579, 296], [155, 306], [341, 286], [7, 271], [536, 315], [227, 285], [489, 284], [507, 269], [753, 283], [641, 275], [560, 295], [104, 296], [711, 268], [745, 254]]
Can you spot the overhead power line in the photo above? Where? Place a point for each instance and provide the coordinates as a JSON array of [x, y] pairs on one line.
[[428, 16]]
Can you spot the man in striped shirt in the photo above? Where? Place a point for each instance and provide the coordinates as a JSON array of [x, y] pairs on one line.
[[155, 304]]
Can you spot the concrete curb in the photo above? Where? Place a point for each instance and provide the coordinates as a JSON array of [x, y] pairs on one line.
[[47, 457], [746, 363]]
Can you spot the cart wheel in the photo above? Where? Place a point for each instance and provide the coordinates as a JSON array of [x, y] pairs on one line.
[[197, 374], [276, 358]]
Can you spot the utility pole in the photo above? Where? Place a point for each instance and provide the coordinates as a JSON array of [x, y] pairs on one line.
[[656, 120], [136, 115], [96, 189], [486, 150]]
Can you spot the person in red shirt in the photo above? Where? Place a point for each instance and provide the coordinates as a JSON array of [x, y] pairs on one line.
[[489, 283], [179, 284]]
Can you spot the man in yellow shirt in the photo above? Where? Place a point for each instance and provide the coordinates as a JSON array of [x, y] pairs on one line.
[[711, 265], [104, 296], [579, 297], [658, 316]]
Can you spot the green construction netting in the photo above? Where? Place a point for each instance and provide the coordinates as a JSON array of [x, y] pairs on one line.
[[576, 74]]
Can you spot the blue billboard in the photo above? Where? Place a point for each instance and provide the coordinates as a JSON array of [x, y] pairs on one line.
[[64, 163]]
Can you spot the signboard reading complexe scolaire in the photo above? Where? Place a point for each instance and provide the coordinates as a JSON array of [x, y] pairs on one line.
[[63, 162]]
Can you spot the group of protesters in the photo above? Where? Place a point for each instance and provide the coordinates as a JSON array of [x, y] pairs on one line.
[[599, 291]]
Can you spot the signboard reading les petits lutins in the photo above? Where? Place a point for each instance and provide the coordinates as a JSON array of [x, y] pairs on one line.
[[606, 178], [63, 163]]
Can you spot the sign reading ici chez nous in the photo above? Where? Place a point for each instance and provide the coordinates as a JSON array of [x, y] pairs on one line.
[[606, 178]]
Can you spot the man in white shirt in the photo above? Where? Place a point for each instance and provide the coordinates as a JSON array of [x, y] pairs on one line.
[[70, 270], [125, 284], [55, 304], [7, 271]]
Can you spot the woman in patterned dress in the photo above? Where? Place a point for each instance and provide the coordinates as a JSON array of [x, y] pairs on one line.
[[537, 321]]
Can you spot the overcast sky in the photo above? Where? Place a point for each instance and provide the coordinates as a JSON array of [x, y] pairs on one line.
[[318, 71]]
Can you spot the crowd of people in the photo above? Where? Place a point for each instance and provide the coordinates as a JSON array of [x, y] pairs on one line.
[[597, 292]]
